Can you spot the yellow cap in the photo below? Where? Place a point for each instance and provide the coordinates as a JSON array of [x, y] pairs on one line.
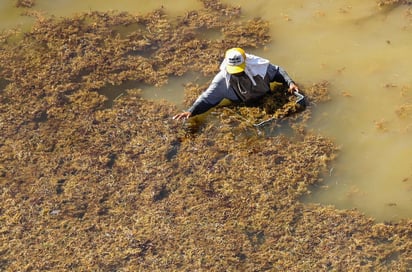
[[235, 60]]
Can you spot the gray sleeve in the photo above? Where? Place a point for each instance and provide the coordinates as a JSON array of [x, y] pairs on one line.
[[212, 96], [278, 74]]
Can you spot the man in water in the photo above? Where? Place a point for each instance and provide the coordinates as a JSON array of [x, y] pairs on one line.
[[242, 78]]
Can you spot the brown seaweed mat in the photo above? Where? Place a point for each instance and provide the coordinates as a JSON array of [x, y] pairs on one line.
[[87, 187]]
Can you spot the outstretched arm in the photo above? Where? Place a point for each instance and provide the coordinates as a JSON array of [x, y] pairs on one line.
[[278, 74], [216, 91]]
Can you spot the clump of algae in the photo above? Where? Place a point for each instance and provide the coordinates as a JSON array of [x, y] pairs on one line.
[[86, 187], [393, 2], [25, 3]]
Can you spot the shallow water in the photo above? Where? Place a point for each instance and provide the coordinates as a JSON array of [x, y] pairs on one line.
[[362, 50]]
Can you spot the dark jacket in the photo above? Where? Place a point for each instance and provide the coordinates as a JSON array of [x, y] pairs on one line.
[[219, 89]]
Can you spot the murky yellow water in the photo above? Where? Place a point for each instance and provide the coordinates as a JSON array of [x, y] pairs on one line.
[[363, 51]]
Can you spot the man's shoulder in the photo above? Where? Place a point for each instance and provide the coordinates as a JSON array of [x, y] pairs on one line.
[[220, 76]]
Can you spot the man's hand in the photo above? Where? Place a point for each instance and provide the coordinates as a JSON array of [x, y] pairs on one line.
[[293, 88], [184, 115]]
